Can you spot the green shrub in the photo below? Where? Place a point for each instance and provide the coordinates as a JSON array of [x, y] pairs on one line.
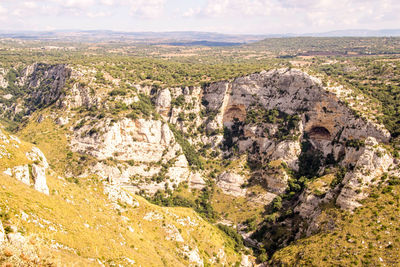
[[189, 151], [116, 92], [236, 237]]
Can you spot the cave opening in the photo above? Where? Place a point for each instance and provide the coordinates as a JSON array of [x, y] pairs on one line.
[[319, 133]]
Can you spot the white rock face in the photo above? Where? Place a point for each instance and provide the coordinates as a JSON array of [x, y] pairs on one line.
[[288, 151], [230, 183], [2, 234], [3, 81], [37, 155], [163, 102], [8, 172], [265, 198], [62, 121], [291, 91], [7, 96], [173, 233], [78, 96], [246, 262], [16, 239], [196, 181], [21, 173], [193, 256], [116, 193], [39, 176], [147, 143], [26, 73], [141, 140], [372, 163]]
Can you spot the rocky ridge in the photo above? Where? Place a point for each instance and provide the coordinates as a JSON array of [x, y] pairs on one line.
[[286, 123], [146, 148]]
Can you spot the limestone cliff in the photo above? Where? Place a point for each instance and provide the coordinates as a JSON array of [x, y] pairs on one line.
[[293, 135], [298, 109]]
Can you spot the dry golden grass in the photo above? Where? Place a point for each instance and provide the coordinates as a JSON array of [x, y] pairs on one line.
[[81, 218], [367, 237]]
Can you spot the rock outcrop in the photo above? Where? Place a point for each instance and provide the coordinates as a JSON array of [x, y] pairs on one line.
[[39, 176], [231, 184], [370, 165], [21, 173], [292, 92], [143, 149], [196, 181], [269, 115], [117, 194], [3, 81], [37, 155], [138, 140], [2, 234], [285, 121], [33, 172], [163, 102], [46, 83]]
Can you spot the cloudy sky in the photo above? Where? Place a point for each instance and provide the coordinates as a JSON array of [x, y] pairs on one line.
[[227, 16]]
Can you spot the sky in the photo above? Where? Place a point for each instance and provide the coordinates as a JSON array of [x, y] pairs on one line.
[[224, 16]]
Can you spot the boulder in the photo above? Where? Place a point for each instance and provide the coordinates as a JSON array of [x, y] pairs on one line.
[[21, 173], [62, 121], [196, 181], [16, 239], [37, 155], [163, 102], [231, 183], [117, 194], [39, 176]]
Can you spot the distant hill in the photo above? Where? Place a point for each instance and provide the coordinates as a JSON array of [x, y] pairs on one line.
[[180, 38], [208, 38], [343, 33], [357, 33], [204, 43]]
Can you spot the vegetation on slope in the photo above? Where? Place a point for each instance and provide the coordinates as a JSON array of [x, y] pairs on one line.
[[375, 77], [367, 237], [359, 239], [74, 214]]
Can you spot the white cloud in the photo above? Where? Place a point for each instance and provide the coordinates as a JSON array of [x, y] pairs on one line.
[[245, 16], [3, 10], [310, 15], [81, 4], [233, 8], [97, 14], [147, 8], [3, 14], [191, 12], [30, 4], [216, 7], [107, 2]]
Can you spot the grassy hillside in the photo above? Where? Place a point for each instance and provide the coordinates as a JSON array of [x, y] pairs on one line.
[[78, 224], [367, 237], [80, 219]]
